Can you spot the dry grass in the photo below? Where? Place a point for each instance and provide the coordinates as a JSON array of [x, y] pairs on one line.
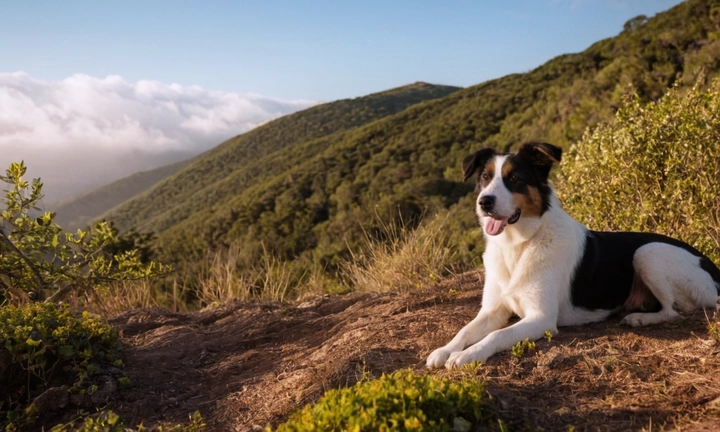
[[408, 259], [271, 280], [215, 281], [121, 296], [713, 327], [219, 280]]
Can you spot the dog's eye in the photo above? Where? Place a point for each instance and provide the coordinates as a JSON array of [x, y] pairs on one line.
[[486, 176], [514, 178]]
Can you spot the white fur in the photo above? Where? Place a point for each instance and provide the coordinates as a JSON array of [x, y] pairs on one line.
[[528, 272]]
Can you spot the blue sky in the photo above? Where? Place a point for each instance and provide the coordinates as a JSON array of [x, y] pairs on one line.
[[295, 49]]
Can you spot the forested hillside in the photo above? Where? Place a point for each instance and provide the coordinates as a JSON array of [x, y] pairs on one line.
[[218, 173], [309, 194]]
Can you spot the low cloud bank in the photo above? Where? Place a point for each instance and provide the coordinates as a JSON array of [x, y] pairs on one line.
[[83, 131]]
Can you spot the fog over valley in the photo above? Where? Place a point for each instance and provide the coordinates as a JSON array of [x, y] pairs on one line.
[[83, 132]]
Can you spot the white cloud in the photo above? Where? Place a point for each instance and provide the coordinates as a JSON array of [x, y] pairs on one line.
[[109, 127]]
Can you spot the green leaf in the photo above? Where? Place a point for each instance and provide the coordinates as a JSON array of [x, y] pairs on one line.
[[32, 342]]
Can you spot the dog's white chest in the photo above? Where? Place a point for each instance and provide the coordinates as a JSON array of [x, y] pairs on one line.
[[507, 270]]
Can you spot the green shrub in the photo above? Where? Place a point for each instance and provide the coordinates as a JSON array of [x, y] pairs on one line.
[[521, 348], [43, 345], [656, 167], [37, 258], [400, 401]]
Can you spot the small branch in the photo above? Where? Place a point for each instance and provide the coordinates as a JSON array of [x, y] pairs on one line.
[[59, 294], [30, 264]]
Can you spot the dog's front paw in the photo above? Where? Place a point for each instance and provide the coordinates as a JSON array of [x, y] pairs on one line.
[[461, 358], [438, 358]]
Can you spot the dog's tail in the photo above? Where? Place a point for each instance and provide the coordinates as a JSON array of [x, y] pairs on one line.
[[713, 270]]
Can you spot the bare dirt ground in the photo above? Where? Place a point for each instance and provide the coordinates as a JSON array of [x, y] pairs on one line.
[[244, 366]]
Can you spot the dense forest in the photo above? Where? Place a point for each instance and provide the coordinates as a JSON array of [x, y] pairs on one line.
[[312, 187]]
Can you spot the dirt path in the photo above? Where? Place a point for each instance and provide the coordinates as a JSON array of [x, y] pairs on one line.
[[245, 366]]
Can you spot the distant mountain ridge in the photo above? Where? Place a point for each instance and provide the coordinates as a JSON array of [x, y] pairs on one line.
[[314, 122], [211, 175], [311, 197], [77, 212]]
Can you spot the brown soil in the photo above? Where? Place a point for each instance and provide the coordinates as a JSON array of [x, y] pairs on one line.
[[244, 366]]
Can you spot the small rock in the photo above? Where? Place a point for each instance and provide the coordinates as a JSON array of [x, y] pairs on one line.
[[53, 399], [461, 425]]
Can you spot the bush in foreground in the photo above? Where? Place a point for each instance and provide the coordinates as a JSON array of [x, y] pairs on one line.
[[656, 167], [52, 361], [37, 258], [44, 347], [400, 401]]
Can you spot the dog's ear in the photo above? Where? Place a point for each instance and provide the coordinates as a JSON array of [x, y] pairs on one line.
[[476, 160], [541, 155]]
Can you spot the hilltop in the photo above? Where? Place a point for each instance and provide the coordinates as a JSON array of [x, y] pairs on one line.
[[247, 365]]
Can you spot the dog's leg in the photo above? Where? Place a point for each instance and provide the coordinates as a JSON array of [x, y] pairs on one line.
[[531, 328], [489, 319], [675, 278]]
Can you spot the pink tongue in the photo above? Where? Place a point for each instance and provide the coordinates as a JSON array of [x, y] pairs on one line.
[[494, 226]]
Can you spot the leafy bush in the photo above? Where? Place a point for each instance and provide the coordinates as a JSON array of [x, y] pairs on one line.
[[400, 401], [37, 258], [49, 357], [43, 345], [654, 168]]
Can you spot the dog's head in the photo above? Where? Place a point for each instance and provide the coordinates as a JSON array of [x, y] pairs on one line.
[[511, 186]]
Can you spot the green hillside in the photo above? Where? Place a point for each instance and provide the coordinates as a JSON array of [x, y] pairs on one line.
[[231, 166], [312, 198], [78, 212]]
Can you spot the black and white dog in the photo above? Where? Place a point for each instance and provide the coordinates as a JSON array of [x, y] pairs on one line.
[[550, 270]]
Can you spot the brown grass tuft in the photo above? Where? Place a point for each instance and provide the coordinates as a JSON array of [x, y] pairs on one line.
[[408, 259]]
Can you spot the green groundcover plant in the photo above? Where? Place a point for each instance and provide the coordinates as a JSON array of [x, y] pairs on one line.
[[108, 421], [400, 401]]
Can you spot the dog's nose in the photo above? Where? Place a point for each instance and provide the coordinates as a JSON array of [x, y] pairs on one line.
[[487, 203]]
